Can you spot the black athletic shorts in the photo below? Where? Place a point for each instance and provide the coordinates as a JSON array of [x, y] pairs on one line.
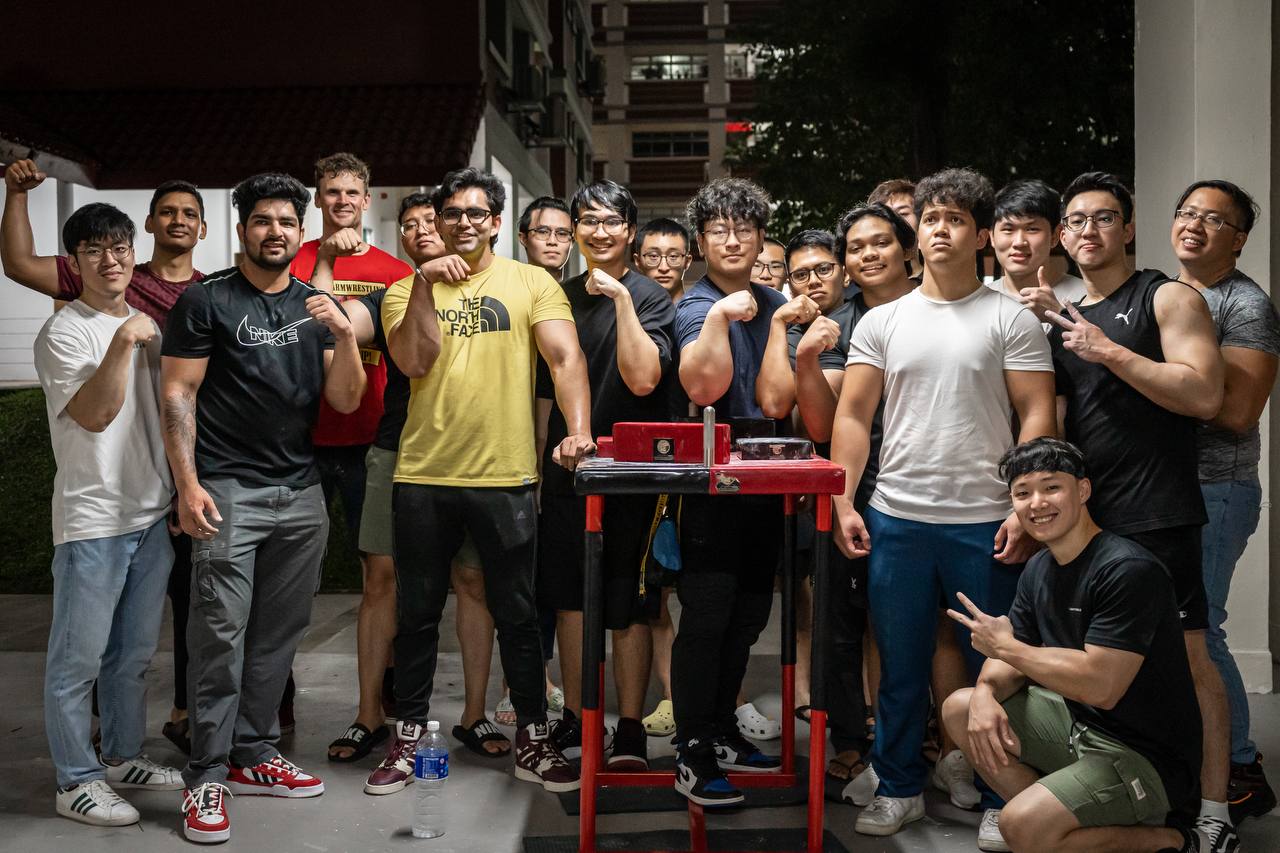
[[1179, 549], [627, 522]]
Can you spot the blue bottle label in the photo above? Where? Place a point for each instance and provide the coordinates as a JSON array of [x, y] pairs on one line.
[[431, 767]]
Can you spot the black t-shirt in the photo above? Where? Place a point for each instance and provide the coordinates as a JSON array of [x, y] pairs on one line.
[[1117, 594], [1141, 456], [848, 314], [395, 397], [611, 399], [262, 389]]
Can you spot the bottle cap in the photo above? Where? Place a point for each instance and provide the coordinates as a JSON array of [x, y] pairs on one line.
[[433, 725]]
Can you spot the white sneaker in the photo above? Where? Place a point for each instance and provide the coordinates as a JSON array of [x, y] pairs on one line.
[[886, 815], [989, 837], [95, 803], [142, 772], [953, 775], [861, 789]]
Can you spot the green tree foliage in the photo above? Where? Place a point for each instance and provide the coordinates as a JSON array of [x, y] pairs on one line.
[[850, 93]]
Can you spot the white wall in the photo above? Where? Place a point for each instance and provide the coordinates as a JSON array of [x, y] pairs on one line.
[[1203, 89]]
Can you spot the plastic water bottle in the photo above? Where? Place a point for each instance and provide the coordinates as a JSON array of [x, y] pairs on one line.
[[430, 772]]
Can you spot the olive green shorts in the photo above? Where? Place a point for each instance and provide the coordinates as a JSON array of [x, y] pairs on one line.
[[1100, 780], [375, 521]]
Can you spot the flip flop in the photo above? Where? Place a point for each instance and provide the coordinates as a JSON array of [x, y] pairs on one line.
[[505, 713], [359, 740], [802, 713], [852, 768], [481, 732]]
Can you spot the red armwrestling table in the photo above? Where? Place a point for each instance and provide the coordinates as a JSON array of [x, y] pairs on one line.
[[720, 473]]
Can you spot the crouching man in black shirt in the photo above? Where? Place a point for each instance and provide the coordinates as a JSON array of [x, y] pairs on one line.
[[1084, 717]]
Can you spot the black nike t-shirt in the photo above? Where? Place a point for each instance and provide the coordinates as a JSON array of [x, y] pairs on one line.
[[265, 378], [1141, 456], [611, 400], [1116, 594]]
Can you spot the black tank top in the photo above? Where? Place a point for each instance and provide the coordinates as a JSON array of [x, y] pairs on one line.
[[1140, 456]]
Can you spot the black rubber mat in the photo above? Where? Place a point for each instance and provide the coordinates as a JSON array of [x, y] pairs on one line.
[[674, 839]]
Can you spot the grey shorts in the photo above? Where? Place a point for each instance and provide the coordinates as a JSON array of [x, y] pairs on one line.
[[375, 523]]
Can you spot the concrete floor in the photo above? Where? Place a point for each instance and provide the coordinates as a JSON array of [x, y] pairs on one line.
[[492, 811]]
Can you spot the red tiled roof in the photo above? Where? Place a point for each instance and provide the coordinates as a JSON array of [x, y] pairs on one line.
[[410, 135]]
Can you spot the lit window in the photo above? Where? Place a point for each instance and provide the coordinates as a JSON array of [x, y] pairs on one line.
[[669, 67]]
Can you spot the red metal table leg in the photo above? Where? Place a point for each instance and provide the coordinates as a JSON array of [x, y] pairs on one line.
[[592, 664], [818, 670], [788, 633]]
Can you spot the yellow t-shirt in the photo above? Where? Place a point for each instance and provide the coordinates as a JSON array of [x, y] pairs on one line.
[[471, 417]]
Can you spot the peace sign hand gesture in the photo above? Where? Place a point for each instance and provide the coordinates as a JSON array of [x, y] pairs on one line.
[[989, 633], [1082, 337]]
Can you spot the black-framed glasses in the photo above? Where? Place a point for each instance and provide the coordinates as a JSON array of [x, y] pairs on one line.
[[612, 224], [653, 259], [1212, 221], [95, 254], [824, 271], [413, 226], [545, 232], [1103, 219], [777, 269], [719, 234], [475, 215]]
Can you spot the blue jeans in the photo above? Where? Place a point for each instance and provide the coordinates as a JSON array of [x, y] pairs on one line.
[[912, 566], [1233, 507], [108, 601]]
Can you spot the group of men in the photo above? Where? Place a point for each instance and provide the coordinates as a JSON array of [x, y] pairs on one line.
[[447, 403]]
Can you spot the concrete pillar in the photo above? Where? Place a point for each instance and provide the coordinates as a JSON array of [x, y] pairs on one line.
[[1204, 87]]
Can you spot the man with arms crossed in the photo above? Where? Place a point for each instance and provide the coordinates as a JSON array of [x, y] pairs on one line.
[[1210, 226], [98, 361], [247, 356], [468, 463], [1137, 364], [1084, 717], [953, 362]]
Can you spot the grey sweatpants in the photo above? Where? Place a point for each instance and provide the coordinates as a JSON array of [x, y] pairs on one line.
[[251, 592]]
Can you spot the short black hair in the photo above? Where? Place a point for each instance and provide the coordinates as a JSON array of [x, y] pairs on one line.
[[608, 194], [269, 185], [1043, 454], [964, 187], [1029, 198], [1245, 206], [462, 179], [175, 186], [542, 202], [413, 200], [97, 221], [1099, 182], [901, 228], [811, 237], [728, 198], [661, 225]]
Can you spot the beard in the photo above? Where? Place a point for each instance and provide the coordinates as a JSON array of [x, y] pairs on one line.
[[273, 264]]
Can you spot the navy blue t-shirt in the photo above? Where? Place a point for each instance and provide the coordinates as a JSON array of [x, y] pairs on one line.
[[746, 340]]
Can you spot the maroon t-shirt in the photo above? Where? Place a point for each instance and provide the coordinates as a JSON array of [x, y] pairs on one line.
[[148, 292]]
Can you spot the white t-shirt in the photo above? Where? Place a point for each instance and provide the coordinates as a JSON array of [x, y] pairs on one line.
[[115, 481], [946, 408], [1068, 289]]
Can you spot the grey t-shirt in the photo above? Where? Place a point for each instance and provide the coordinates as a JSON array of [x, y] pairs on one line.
[[1246, 318]]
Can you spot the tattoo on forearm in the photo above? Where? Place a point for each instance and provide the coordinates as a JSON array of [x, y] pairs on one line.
[[180, 425]]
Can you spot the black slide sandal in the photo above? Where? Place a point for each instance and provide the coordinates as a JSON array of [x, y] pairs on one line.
[[481, 732], [359, 740]]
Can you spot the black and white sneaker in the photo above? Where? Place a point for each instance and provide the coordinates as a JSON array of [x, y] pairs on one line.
[[734, 752], [96, 804], [1220, 835], [630, 747], [566, 734], [142, 772], [700, 779]]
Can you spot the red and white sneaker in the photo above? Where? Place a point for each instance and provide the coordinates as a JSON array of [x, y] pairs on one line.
[[278, 777], [396, 769], [204, 813]]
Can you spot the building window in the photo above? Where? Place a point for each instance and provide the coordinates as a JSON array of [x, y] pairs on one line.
[[739, 63], [669, 67], [679, 143]]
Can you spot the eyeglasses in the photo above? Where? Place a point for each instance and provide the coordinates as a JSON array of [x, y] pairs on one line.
[[823, 271], [411, 226], [543, 233], [653, 260], [1103, 219], [475, 215], [777, 269], [1212, 221], [612, 224], [719, 234], [95, 254]]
